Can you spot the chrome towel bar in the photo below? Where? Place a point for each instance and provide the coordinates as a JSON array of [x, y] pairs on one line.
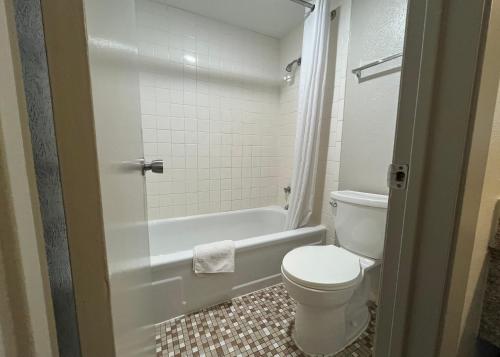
[[305, 4], [357, 71]]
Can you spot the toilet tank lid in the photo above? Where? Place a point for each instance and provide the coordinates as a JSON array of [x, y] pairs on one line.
[[360, 198]]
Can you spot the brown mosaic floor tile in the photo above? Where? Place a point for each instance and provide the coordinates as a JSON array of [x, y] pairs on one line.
[[257, 324]]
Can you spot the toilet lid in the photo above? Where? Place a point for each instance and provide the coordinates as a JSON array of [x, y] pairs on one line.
[[322, 267]]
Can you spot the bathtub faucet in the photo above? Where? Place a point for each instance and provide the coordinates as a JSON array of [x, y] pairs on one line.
[[287, 190]]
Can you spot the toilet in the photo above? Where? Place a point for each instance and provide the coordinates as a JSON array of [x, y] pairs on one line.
[[331, 284]]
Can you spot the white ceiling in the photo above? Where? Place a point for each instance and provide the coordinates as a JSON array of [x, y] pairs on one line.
[[274, 18]]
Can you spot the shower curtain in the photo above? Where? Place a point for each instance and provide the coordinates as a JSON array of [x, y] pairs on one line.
[[310, 109]]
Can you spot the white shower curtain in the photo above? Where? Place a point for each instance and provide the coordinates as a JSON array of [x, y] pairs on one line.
[[310, 109]]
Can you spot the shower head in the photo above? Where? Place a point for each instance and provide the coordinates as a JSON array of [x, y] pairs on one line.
[[289, 66], [289, 70]]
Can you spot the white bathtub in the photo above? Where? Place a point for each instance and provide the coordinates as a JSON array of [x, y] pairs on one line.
[[260, 243]]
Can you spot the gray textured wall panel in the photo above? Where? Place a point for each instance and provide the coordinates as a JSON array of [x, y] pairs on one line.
[[38, 97]]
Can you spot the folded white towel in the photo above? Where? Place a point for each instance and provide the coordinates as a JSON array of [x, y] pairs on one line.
[[215, 257]]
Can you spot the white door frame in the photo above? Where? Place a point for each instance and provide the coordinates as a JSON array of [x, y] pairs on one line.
[[443, 49]]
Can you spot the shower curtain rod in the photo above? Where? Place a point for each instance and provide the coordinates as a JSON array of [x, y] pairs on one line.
[[304, 3]]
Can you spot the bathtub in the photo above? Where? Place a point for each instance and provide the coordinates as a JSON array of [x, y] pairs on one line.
[[260, 244]]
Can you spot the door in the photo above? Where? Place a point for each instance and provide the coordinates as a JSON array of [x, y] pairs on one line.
[[94, 78], [115, 96]]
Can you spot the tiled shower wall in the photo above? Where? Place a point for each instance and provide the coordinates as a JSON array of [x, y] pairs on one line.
[[215, 108], [337, 115], [210, 103]]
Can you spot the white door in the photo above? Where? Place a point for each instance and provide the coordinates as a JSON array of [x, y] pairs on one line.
[[115, 91]]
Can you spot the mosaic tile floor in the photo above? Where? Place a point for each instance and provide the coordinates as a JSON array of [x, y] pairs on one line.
[[257, 324]]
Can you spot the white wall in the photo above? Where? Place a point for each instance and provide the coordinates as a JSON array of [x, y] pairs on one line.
[[478, 269], [377, 31], [479, 266], [481, 192], [210, 109]]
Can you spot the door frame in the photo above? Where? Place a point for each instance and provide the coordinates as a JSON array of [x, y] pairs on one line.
[[442, 61], [69, 73], [27, 324]]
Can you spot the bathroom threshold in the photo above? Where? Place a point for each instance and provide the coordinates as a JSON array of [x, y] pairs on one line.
[[256, 324]]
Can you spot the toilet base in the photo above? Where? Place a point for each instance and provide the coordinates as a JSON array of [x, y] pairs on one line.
[[325, 333]]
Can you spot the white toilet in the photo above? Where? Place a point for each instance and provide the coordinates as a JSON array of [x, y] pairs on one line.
[[330, 283]]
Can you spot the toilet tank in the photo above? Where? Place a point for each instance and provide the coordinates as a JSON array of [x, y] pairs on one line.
[[360, 222]]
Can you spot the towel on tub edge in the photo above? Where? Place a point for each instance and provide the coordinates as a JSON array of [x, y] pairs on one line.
[[215, 257]]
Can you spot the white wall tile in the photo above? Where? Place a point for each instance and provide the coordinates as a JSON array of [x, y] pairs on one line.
[[214, 108], [210, 108]]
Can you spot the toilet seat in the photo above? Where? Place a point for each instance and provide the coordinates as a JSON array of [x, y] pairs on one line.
[[322, 267]]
